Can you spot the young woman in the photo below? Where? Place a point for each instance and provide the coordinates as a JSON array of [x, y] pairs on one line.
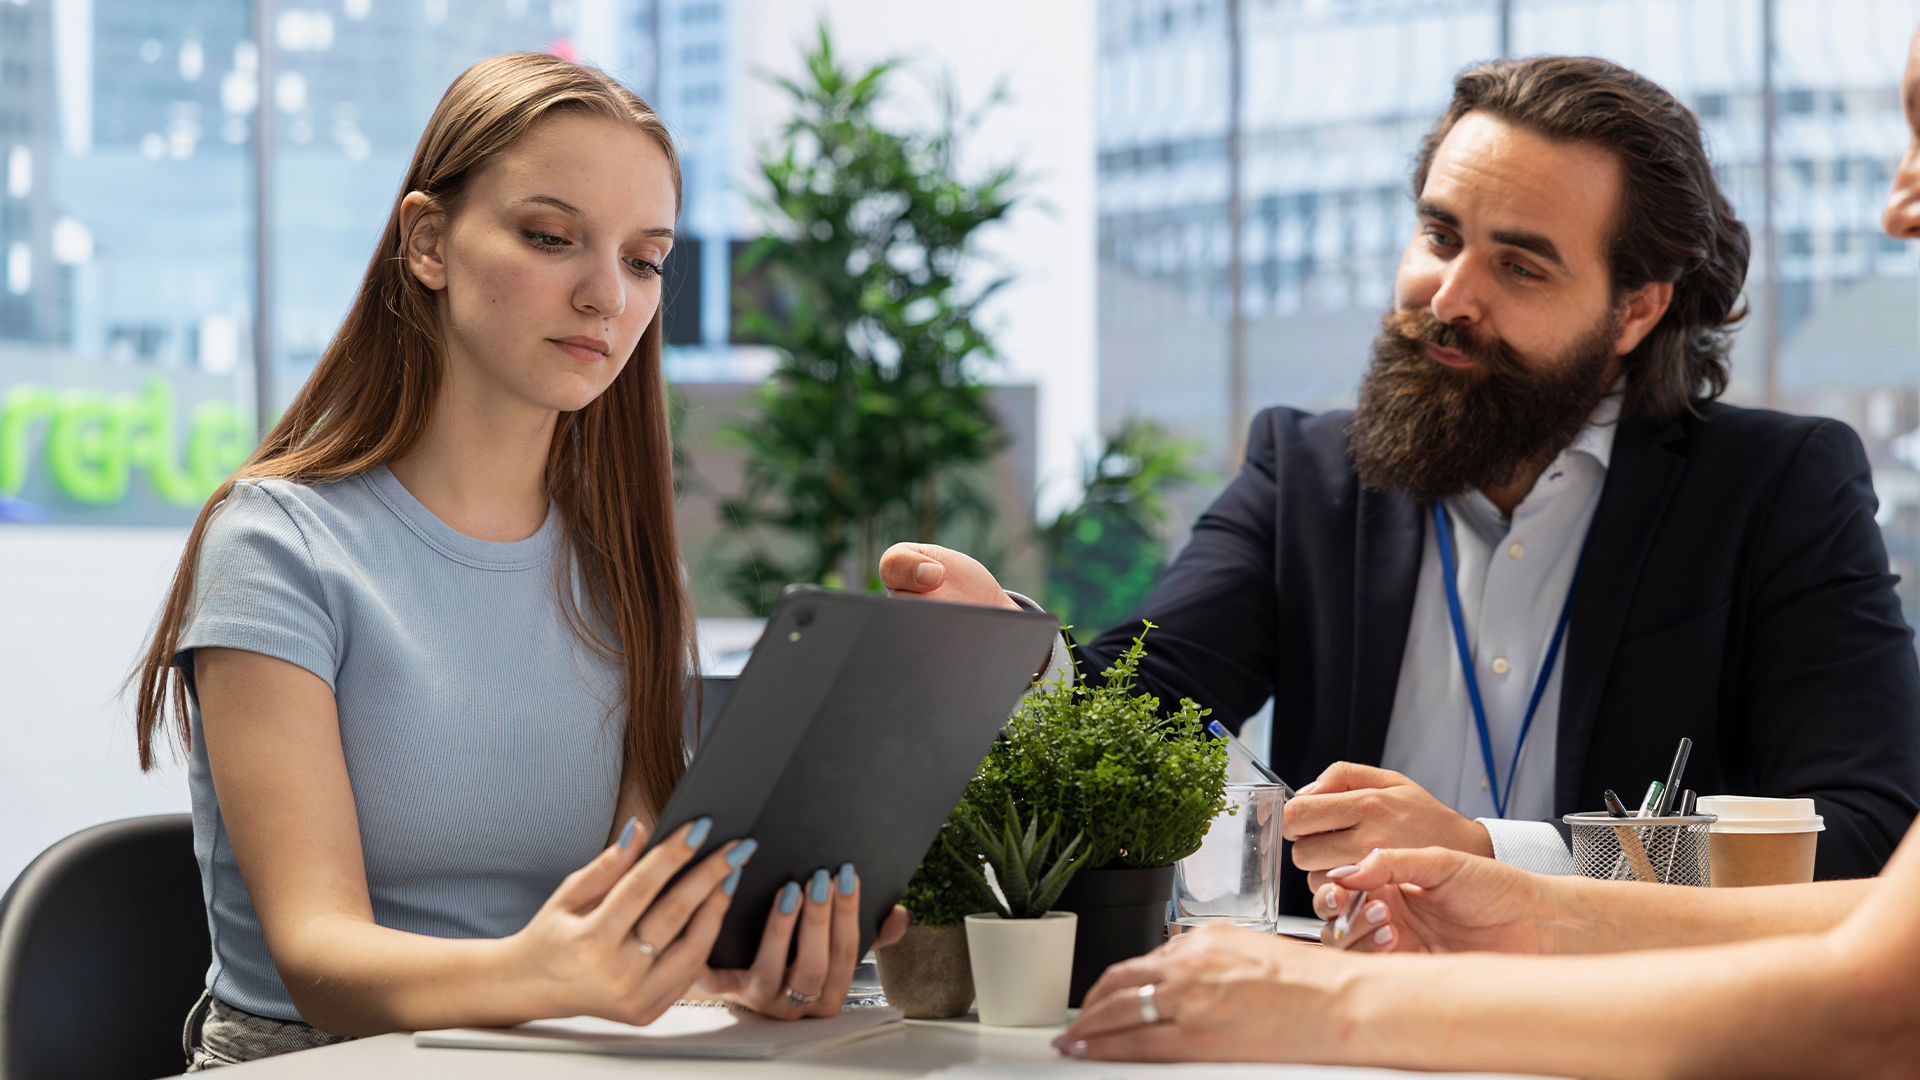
[[427, 650]]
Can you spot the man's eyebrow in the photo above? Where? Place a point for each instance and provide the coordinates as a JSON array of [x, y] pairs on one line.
[[1520, 238], [1530, 241], [566, 207]]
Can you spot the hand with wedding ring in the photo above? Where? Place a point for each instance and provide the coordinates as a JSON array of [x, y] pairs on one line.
[[826, 915], [1216, 993]]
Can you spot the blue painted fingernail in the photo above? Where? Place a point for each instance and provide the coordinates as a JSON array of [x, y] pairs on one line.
[[789, 898], [846, 879], [698, 834], [817, 888], [743, 852], [626, 834], [732, 882]]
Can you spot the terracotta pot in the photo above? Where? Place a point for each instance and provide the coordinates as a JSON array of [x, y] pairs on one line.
[[927, 974]]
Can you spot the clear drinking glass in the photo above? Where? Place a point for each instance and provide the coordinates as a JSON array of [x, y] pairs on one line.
[[1235, 876], [865, 992]]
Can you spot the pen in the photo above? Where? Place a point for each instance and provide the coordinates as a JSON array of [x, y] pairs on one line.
[[1652, 801], [1343, 924], [1636, 853], [1219, 731], [1630, 846], [1689, 802], [1672, 790]]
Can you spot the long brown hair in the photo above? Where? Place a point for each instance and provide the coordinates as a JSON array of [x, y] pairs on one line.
[[609, 469], [1673, 223]]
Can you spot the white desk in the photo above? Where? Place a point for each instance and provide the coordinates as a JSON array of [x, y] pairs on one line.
[[925, 1045]]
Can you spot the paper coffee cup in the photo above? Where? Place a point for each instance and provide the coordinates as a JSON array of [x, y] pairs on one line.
[[1760, 841]]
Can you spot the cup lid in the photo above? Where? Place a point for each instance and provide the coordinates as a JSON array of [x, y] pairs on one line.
[[1756, 814]]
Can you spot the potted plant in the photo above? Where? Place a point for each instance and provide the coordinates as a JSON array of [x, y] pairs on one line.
[[1022, 953], [1140, 787], [927, 974]]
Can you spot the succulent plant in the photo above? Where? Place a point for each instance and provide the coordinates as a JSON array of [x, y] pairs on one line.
[[1030, 870]]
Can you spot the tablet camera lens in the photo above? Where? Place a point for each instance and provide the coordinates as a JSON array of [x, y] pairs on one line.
[[804, 618]]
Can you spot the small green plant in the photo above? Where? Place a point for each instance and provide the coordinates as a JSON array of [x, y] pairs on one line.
[[1141, 787], [1031, 871]]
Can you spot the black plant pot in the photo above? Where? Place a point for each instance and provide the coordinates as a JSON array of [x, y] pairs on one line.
[[1123, 914]]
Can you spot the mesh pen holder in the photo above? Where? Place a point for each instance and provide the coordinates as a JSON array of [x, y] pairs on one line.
[[1668, 850]]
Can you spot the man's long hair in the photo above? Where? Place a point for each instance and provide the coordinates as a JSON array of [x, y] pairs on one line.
[[609, 467], [1672, 224]]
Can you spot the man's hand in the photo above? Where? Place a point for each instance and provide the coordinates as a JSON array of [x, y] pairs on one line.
[[1440, 900], [938, 573], [1352, 809]]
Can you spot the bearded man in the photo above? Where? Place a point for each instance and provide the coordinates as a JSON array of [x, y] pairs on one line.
[[1538, 553]]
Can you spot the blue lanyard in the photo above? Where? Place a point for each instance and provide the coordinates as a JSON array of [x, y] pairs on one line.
[[1466, 663]]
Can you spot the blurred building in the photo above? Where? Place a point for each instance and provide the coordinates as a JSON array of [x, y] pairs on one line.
[[1337, 94], [36, 292], [127, 215]]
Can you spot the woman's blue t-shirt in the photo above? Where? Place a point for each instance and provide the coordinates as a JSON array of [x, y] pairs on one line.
[[482, 739]]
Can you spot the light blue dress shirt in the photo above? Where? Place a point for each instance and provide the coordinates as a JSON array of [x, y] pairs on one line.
[[1513, 576]]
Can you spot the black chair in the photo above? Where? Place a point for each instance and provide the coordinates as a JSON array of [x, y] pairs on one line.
[[103, 949]]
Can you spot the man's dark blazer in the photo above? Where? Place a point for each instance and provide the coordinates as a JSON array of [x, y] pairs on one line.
[[1734, 589]]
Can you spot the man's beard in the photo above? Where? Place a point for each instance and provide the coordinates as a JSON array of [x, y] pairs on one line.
[[1431, 430]]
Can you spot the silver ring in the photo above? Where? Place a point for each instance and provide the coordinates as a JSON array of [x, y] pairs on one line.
[[646, 950], [799, 1000], [1149, 1011]]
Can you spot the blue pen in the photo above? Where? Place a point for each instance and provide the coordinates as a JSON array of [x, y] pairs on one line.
[[1219, 731]]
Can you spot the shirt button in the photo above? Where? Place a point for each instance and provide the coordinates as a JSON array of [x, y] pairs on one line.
[[1514, 551], [1499, 665], [1484, 786]]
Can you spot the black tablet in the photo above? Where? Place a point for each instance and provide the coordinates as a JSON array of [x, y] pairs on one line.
[[849, 737]]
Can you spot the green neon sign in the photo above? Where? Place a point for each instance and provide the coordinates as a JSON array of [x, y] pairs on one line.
[[92, 443]]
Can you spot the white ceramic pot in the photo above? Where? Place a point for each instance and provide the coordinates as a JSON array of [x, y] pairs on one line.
[[1022, 968]]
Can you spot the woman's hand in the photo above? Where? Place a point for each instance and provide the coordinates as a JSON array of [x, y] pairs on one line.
[[827, 911], [1220, 994], [1438, 900], [610, 943]]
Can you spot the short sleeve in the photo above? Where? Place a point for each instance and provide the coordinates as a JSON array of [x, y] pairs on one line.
[[256, 588]]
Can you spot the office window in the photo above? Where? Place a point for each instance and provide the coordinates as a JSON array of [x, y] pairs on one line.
[[127, 223]]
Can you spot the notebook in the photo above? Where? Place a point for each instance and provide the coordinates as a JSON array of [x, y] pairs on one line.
[[696, 1031]]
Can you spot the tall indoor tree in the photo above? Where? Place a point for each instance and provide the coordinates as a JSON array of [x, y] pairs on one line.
[[871, 294]]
